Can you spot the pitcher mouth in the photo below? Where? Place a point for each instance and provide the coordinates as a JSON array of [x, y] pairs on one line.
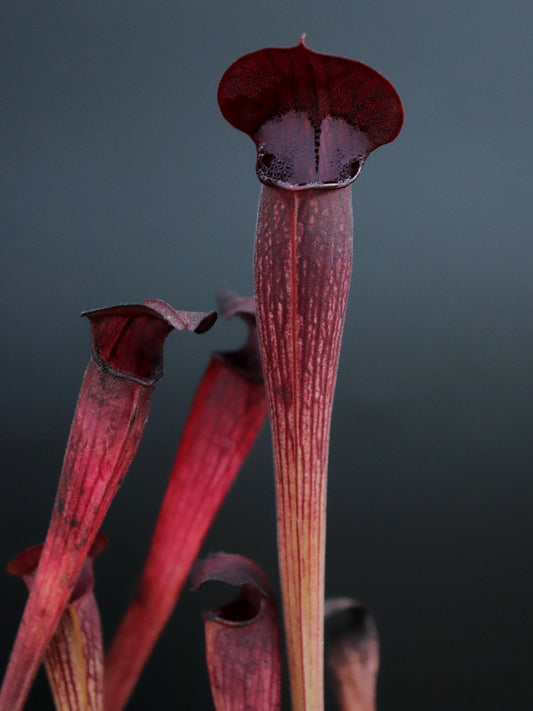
[[314, 118]]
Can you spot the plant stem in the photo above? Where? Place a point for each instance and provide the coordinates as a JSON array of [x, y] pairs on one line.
[[303, 264]]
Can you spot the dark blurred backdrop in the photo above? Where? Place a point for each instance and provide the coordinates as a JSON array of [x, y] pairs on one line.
[[120, 181]]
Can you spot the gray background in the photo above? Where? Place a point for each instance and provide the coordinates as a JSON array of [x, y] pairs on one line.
[[120, 181]]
